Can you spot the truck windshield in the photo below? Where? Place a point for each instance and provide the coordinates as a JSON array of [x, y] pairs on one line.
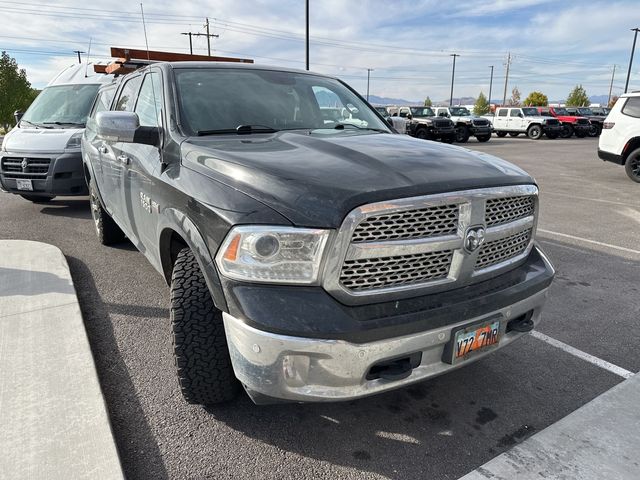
[[530, 112], [219, 100], [63, 105], [459, 111], [422, 112], [561, 111], [585, 111]]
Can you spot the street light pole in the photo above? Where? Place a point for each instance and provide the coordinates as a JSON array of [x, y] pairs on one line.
[[307, 36], [190, 42], [633, 48], [78, 52], [369, 70], [453, 75], [490, 84]]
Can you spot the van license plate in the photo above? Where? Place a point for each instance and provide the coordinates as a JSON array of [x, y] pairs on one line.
[[467, 341], [24, 184]]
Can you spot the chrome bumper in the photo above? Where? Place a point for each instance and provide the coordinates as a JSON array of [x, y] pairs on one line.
[[276, 367]]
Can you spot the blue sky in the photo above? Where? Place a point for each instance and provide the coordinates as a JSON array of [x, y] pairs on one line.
[[555, 45]]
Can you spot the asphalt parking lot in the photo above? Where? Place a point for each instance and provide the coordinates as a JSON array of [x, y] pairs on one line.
[[440, 429]]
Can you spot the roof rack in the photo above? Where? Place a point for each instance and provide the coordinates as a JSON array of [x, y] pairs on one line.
[[128, 60]]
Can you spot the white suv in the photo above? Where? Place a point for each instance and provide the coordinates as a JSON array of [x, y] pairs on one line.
[[620, 138]]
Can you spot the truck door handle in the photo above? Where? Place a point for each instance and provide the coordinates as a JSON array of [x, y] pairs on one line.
[[124, 159], [103, 149]]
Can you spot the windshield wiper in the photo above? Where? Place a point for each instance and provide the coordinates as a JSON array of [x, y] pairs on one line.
[[64, 123], [239, 130], [342, 126], [37, 125]]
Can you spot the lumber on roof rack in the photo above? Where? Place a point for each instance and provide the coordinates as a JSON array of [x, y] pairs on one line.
[[151, 55]]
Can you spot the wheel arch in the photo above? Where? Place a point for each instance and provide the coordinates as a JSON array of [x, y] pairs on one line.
[[630, 146]]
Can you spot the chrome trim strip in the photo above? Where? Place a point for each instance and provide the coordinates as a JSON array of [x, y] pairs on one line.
[[462, 270]]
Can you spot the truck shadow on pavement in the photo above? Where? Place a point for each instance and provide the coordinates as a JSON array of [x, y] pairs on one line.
[[70, 208], [137, 447]]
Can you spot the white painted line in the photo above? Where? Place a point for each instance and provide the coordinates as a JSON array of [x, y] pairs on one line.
[[583, 355], [593, 242], [600, 200]]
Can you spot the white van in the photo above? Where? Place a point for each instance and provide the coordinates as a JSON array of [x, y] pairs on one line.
[[40, 157]]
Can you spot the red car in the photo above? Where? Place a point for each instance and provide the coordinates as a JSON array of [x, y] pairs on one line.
[[570, 123]]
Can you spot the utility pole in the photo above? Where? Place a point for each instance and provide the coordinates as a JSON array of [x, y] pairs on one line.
[[490, 85], [190, 42], [208, 35], [453, 75], [611, 85], [307, 36], [633, 49], [78, 52], [369, 70], [506, 80]]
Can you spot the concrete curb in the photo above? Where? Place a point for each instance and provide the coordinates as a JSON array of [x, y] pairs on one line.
[[53, 415], [598, 441]]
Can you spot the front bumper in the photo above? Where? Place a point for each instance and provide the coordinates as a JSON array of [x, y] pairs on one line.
[[480, 130], [65, 175], [280, 366], [552, 129], [583, 128]]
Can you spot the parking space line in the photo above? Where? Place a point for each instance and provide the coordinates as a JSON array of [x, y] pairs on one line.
[[600, 200], [583, 355], [586, 240]]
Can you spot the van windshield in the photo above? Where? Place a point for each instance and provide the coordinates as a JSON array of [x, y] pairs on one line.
[[63, 105], [220, 100]]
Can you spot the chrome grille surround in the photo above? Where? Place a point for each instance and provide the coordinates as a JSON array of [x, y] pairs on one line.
[[365, 271]]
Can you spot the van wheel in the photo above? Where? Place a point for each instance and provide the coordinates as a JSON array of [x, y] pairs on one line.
[[632, 165], [567, 131], [36, 198], [534, 132], [200, 346], [462, 134], [107, 230], [501, 134]]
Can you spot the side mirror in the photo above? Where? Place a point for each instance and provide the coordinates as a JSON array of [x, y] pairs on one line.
[[125, 127], [409, 116], [18, 116], [389, 121]]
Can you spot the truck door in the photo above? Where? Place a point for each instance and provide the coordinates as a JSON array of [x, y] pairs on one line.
[[141, 164], [500, 120], [516, 120]]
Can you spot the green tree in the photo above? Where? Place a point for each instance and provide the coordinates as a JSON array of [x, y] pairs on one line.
[[578, 97], [15, 90], [514, 101], [482, 106], [428, 102], [536, 99]]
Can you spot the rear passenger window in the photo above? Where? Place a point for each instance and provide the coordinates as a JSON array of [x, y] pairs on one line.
[[502, 112], [149, 101], [127, 98], [632, 107], [514, 113]]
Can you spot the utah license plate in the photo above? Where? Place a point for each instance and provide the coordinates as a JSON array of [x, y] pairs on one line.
[[24, 184], [472, 339]]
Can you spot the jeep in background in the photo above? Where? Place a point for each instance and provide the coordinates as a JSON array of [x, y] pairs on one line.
[[571, 124], [309, 260], [596, 121], [516, 120], [467, 124], [600, 111], [423, 123], [400, 124]]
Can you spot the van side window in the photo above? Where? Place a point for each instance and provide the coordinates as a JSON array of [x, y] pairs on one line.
[[127, 98], [502, 112], [632, 107], [149, 101]]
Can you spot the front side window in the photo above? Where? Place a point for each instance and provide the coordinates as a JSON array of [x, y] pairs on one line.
[[62, 105], [561, 111], [514, 113], [502, 112], [219, 100], [530, 112], [632, 107], [127, 98], [149, 102]]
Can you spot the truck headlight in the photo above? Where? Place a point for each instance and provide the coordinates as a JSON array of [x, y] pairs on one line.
[[74, 142], [272, 254]]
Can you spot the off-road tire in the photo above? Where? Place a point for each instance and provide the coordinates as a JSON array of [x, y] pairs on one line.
[[36, 198], [567, 131], [594, 130], [514, 134], [632, 165], [501, 134], [201, 353], [483, 138], [422, 133], [462, 134], [534, 132], [107, 230]]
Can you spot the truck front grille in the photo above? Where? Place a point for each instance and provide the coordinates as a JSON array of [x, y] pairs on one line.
[[421, 223], [21, 167], [442, 123], [416, 244], [492, 253], [481, 123]]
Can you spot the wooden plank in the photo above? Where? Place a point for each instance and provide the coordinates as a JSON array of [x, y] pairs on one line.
[[117, 67], [132, 54], [100, 68]]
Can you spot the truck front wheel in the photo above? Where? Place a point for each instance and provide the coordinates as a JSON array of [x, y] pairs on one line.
[[107, 230], [462, 134], [534, 132], [501, 134], [567, 131], [632, 165], [205, 373], [422, 133], [484, 138]]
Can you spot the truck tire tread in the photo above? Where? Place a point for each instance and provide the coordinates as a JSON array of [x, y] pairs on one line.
[[107, 230]]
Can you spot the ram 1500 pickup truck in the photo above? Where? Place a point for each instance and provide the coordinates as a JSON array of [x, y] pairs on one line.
[[309, 260]]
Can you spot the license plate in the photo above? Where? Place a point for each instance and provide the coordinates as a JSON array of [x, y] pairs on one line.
[[467, 341], [24, 184]]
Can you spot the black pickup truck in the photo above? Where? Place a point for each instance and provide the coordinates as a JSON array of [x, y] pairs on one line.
[[309, 259]]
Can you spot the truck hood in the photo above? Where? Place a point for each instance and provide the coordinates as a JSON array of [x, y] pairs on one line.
[[316, 179], [50, 140]]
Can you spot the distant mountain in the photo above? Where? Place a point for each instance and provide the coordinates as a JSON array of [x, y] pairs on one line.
[[376, 100]]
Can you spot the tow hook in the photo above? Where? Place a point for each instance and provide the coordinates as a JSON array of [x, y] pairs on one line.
[[521, 324]]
